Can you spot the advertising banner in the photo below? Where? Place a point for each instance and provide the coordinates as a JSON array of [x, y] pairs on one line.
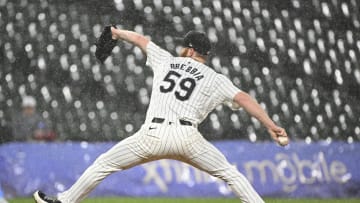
[[322, 169]]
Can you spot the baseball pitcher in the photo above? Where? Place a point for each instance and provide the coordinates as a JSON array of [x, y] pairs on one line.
[[184, 91]]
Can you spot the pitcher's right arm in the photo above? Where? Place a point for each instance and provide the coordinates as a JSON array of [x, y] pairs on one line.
[[251, 106]]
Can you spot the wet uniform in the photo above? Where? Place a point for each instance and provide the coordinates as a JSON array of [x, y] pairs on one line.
[[184, 92]]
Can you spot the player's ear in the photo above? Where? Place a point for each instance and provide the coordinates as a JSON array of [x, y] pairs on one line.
[[191, 52]]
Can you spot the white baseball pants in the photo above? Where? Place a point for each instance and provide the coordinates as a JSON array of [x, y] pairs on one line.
[[183, 143]]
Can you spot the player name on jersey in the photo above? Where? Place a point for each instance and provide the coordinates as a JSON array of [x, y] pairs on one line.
[[189, 69]]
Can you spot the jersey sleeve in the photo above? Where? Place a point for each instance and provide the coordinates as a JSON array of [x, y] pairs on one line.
[[226, 90], [156, 56]]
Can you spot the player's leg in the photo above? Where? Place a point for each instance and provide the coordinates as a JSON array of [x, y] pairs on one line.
[[204, 156], [123, 155]]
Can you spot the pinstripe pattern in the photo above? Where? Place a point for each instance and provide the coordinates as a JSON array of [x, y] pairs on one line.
[[170, 140], [210, 91]]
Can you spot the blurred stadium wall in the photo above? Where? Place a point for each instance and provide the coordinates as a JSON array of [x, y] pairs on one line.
[[299, 59]]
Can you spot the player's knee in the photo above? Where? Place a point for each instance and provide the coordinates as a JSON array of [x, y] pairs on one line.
[[106, 164], [100, 159], [228, 174], [101, 162]]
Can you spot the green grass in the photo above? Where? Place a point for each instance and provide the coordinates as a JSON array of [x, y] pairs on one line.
[[184, 200]]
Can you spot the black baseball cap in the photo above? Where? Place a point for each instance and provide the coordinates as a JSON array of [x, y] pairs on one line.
[[198, 41]]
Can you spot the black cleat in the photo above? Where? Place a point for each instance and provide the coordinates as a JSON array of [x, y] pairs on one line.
[[40, 197]]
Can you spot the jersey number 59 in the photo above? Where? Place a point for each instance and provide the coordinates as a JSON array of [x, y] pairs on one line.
[[187, 85]]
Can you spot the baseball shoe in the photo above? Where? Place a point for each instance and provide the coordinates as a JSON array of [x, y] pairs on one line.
[[40, 197]]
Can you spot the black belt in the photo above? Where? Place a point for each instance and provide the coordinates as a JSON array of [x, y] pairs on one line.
[[161, 120]]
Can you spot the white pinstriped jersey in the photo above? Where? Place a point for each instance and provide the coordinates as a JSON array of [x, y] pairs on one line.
[[184, 88]]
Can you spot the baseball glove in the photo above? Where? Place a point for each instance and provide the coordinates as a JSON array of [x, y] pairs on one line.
[[105, 44]]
